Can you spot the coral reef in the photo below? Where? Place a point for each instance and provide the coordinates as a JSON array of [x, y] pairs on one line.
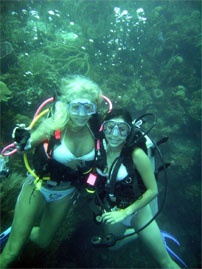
[[157, 93], [147, 63], [194, 108], [5, 93], [9, 189], [6, 48]]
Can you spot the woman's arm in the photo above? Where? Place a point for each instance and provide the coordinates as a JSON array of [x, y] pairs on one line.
[[25, 138], [39, 135], [143, 166], [46, 128]]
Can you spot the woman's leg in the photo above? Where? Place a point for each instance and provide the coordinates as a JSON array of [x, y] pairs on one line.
[[52, 217], [28, 207], [151, 237]]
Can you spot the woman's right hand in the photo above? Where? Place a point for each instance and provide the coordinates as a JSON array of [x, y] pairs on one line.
[[113, 217], [21, 137]]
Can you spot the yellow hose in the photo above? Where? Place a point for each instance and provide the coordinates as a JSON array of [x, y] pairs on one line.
[[28, 166], [25, 154], [38, 117]]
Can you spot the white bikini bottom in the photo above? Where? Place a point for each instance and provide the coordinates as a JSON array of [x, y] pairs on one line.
[[51, 195]]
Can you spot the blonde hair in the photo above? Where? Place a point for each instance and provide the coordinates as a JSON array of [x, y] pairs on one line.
[[76, 86], [72, 87]]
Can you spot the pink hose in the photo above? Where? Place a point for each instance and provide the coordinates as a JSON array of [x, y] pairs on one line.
[[42, 105], [4, 153], [109, 102], [12, 145]]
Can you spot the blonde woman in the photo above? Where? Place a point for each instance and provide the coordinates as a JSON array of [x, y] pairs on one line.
[[74, 150]]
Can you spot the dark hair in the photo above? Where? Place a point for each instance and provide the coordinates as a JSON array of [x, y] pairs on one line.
[[120, 112]]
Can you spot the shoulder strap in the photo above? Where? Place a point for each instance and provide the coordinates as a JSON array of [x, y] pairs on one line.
[[100, 155], [95, 123], [42, 155], [54, 140], [113, 174], [136, 139]]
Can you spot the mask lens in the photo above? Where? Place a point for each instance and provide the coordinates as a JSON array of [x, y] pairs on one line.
[[123, 128], [87, 108], [108, 127], [74, 108]]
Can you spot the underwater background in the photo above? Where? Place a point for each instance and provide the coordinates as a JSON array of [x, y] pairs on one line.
[[146, 56]]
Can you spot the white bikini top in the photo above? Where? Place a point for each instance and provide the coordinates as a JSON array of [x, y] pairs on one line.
[[63, 155], [122, 173]]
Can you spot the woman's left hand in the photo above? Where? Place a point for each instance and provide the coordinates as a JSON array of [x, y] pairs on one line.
[[113, 217]]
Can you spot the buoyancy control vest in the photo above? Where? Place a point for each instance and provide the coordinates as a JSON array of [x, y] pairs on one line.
[[124, 192], [101, 202], [45, 165]]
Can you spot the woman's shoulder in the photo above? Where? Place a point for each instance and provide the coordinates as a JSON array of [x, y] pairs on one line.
[[139, 155]]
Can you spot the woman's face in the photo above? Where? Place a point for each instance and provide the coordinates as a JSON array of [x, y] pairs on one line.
[[80, 111], [116, 131]]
